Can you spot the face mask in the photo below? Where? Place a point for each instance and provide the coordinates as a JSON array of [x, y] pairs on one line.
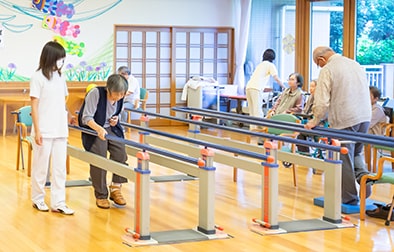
[[60, 63]]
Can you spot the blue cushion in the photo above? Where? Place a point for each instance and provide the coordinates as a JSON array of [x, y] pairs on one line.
[[349, 209]]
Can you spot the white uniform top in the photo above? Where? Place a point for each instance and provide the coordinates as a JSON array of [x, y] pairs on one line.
[[261, 76], [134, 89], [52, 112]]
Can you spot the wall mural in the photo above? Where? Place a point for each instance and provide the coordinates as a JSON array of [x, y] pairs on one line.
[[64, 20]]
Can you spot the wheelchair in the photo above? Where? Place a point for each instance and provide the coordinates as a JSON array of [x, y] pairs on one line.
[[312, 151]]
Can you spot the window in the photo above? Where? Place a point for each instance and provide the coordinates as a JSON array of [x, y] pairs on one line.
[[164, 58], [375, 42]]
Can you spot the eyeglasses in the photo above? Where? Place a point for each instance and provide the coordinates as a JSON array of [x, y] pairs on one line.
[[125, 73]]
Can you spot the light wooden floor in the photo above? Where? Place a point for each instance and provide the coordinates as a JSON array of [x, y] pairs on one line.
[[174, 207]]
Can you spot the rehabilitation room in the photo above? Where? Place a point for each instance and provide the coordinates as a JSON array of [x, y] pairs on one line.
[[199, 178]]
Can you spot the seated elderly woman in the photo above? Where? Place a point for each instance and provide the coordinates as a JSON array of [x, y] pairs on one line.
[[378, 115], [292, 98]]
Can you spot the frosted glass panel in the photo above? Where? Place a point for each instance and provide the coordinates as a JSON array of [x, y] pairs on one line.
[[180, 37], [165, 68], [180, 82], [165, 52], [222, 80], [208, 68], [165, 37], [222, 68], [136, 52], [136, 67], [151, 37], [151, 83], [151, 67], [222, 53], [194, 53], [151, 53], [165, 82], [180, 68], [208, 53], [194, 38], [223, 38], [153, 97], [165, 97], [136, 37], [180, 53], [209, 38], [121, 52], [121, 37], [195, 69]]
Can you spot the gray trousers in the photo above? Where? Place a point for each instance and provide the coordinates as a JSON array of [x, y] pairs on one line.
[[353, 166], [117, 152]]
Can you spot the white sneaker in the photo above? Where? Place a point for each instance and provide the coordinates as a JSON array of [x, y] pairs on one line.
[[41, 206], [63, 210]]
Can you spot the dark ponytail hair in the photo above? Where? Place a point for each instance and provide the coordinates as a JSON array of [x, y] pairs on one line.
[[269, 55]]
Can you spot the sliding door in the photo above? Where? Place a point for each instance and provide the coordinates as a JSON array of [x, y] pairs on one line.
[[164, 58]]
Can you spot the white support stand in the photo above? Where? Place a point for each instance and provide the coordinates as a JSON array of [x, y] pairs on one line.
[[333, 187], [206, 209]]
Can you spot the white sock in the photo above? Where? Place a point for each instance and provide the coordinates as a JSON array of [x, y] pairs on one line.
[[116, 186]]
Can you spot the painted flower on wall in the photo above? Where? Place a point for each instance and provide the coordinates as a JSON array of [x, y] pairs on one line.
[[8, 73], [87, 72]]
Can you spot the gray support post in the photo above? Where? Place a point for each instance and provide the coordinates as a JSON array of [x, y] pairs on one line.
[[142, 196], [333, 187], [194, 128], [206, 207], [144, 121]]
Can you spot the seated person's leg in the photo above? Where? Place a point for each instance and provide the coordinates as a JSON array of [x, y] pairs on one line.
[[124, 113], [302, 148]]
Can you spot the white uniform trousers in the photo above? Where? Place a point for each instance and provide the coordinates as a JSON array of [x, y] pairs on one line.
[[54, 149], [255, 104]]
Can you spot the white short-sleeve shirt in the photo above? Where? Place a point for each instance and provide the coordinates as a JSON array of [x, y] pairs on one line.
[[261, 76], [134, 89], [52, 112]]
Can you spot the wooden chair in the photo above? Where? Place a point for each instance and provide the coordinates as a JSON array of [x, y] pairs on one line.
[[389, 132], [22, 123], [387, 129], [275, 131], [144, 93], [378, 178]]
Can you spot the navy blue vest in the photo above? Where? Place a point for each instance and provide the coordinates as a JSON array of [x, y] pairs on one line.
[[99, 118]]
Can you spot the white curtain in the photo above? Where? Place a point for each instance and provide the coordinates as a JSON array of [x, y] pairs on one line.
[[242, 20]]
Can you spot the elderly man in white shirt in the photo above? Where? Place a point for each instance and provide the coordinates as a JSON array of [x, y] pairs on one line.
[[132, 98], [343, 93]]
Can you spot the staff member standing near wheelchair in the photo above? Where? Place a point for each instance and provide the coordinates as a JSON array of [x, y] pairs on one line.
[[259, 83], [343, 92]]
